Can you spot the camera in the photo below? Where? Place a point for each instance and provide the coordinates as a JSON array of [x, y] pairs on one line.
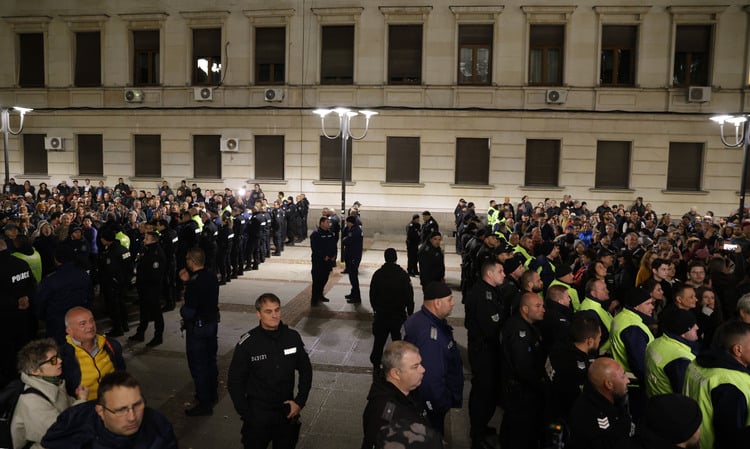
[[729, 246]]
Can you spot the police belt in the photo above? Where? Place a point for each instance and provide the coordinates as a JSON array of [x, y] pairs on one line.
[[201, 322]]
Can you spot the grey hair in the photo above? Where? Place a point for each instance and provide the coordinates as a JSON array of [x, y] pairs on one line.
[[394, 353], [31, 356]]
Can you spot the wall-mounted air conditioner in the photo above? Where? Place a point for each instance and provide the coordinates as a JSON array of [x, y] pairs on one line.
[[53, 143], [203, 93], [273, 95], [699, 94], [134, 96], [556, 96], [230, 144]]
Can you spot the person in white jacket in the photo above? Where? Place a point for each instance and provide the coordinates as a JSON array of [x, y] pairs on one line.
[[44, 395]]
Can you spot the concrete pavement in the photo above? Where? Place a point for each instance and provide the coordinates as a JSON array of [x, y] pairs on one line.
[[337, 336]]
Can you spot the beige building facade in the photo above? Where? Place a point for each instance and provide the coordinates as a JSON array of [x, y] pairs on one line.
[[475, 99]]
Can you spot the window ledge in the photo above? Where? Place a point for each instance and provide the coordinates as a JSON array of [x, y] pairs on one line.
[[685, 192], [610, 190], [146, 179], [473, 186], [267, 181], [199, 180], [330, 182], [402, 184], [553, 188]]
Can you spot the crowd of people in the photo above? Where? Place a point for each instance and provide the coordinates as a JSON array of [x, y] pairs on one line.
[[580, 322]]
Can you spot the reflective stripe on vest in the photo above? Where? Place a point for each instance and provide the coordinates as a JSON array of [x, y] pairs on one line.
[[660, 353]]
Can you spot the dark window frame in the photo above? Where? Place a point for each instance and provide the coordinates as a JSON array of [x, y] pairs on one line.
[[686, 55], [542, 170], [147, 151], [474, 42], [209, 46], [207, 156], [613, 159], [275, 72], [330, 159], [620, 49], [402, 160], [31, 63], [269, 157], [35, 160], [146, 56], [685, 157], [333, 71], [472, 165], [90, 155], [546, 44], [404, 60], [88, 59]]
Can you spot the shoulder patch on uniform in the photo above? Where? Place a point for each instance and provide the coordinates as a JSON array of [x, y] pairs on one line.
[[433, 333], [495, 317], [156, 265], [388, 411], [126, 255], [581, 365], [603, 422], [244, 337], [522, 334]]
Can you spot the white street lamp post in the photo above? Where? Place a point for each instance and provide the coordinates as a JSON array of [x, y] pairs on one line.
[[6, 129], [345, 132], [741, 140]]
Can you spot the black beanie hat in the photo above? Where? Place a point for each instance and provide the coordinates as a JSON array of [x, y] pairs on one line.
[[390, 255], [636, 297], [673, 417], [677, 321], [562, 270], [511, 265], [546, 247], [436, 290]]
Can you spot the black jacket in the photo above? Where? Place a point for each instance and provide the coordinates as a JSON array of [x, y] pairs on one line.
[[201, 298], [484, 317], [391, 293], [567, 370], [261, 375], [151, 269], [596, 423], [116, 266], [387, 404], [431, 264], [81, 427], [523, 356]]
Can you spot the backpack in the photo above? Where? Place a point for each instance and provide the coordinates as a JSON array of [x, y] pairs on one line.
[[8, 399]]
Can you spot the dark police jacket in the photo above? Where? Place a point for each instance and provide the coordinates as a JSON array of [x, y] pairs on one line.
[[151, 268], [353, 243], [16, 281], [391, 293], [431, 264], [80, 427], [323, 244], [387, 404], [261, 375], [596, 423], [484, 318], [523, 357], [117, 266], [201, 299]]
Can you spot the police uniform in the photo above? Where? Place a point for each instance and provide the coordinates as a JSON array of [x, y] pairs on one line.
[[413, 238], [387, 405], [596, 423], [16, 281], [200, 315], [168, 240], [428, 227], [322, 244], [443, 381], [594, 309], [567, 370], [431, 264], [150, 271], [524, 375], [261, 379], [278, 227], [224, 246], [115, 274], [207, 242]]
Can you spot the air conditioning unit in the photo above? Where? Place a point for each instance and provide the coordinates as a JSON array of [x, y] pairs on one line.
[[53, 143], [230, 144], [273, 94], [699, 94], [134, 96], [556, 96], [203, 93]]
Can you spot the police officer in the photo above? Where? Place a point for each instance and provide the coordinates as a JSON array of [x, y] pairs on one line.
[[80, 247], [265, 233], [168, 240], [254, 243], [278, 227], [115, 272], [323, 246], [413, 239], [16, 288], [353, 244], [261, 379], [187, 233], [224, 247], [150, 270], [523, 375], [668, 356], [200, 316], [240, 240], [428, 330], [429, 226], [431, 260], [207, 240], [484, 317]]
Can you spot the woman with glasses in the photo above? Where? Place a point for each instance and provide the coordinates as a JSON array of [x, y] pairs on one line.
[[44, 395]]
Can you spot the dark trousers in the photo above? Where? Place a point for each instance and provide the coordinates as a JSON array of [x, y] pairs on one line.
[[484, 392], [114, 299], [352, 266], [150, 310], [320, 272], [201, 346], [523, 419], [412, 254], [381, 329], [264, 427], [222, 261], [278, 241]]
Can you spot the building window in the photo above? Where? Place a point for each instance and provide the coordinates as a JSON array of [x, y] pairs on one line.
[[270, 54], [612, 165], [206, 157], [330, 159], [90, 155], [31, 61], [405, 54], [618, 55], [337, 55], [692, 55], [34, 154], [148, 155], [146, 58], [472, 161], [546, 46], [475, 54], [402, 160], [88, 72], [269, 157], [685, 166], [542, 162], [206, 56]]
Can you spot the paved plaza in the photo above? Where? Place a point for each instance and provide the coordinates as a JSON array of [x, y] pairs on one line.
[[337, 336]]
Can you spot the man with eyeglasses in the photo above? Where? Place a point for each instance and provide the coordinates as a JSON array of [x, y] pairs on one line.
[[118, 419]]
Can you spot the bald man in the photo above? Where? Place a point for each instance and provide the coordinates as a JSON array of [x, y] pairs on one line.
[[600, 417]]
